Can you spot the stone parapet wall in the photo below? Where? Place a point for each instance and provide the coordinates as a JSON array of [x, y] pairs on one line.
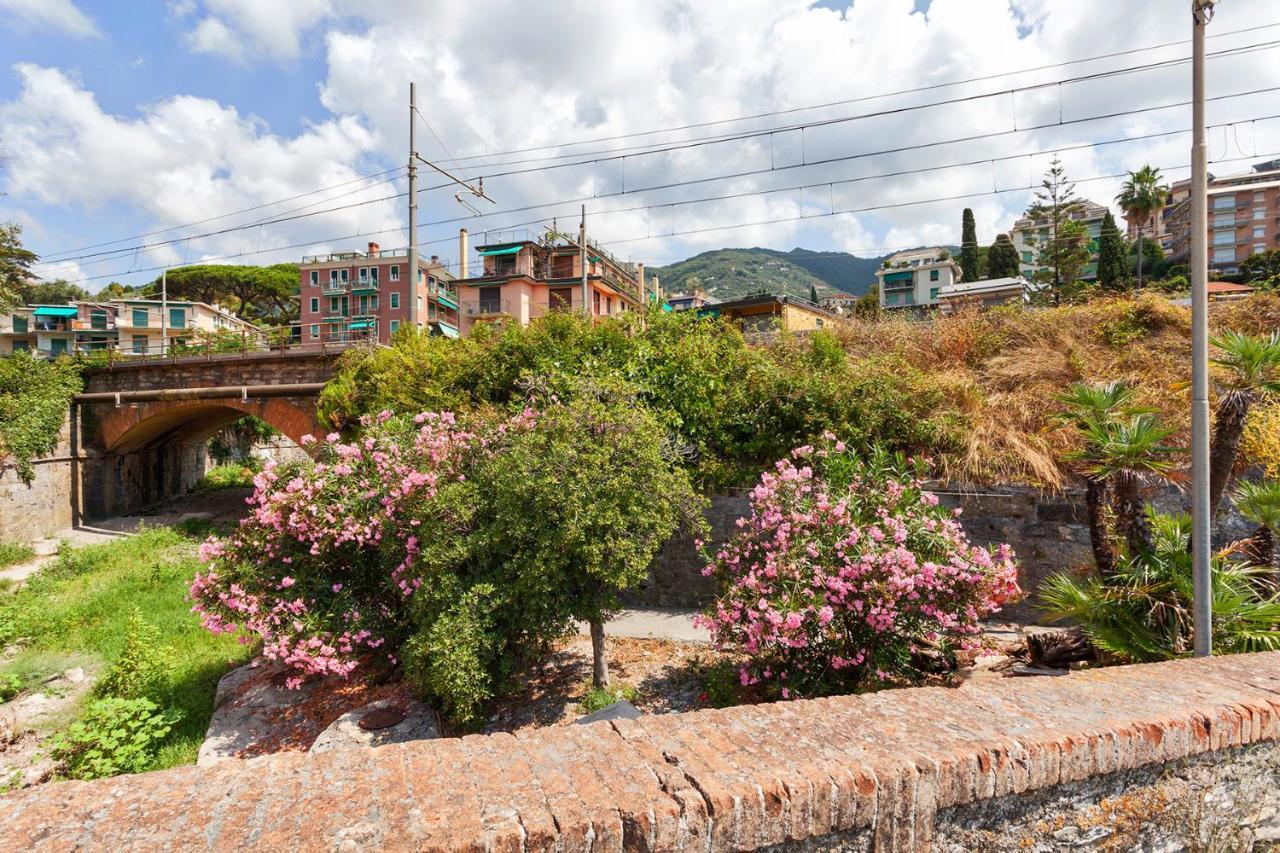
[[881, 771]]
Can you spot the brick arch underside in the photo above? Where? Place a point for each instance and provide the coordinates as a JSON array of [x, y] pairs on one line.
[[140, 425]]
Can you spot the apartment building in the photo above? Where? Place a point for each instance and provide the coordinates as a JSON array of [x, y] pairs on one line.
[[129, 326], [1030, 233], [914, 279], [986, 293], [839, 303], [350, 296], [767, 312], [527, 278], [1244, 217]]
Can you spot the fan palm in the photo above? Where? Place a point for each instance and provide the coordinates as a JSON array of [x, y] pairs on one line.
[[1089, 408], [1128, 452], [1141, 196], [1252, 368], [1259, 502], [1143, 612]]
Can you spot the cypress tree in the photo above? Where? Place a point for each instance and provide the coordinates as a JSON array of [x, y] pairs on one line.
[[969, 262], [1002, 258], [813, 293], [1113, 261]]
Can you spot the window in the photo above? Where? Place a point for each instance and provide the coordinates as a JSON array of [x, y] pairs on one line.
[[595, 302], [395, 326], [139, 344], [891, 299], [141, 318], [373, 274], [562, 266], [1259, 213], [1225, 255], [431, 310], [97, 319], [561, 298], [1258, 248], [315, 277], [490, 300], [177, 318], [933, 294], [22, 346], [315, 305], [315, 331], [333, 276], [20, 325], [1224, 220], [1224, 238], [395, 297], [364, 274], [1026, 257], [333, 305], [1224, 202], [58, 346], [344, 276], [395, 272], [608, 305], [1258, 196], [1259, 232], [933, 275], [819, 322]]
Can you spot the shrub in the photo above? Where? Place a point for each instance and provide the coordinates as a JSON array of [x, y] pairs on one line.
[[1261, 441], [845, 566], [111, 737], [597, 698], [232, 476], [140, 671], [15, 552], [1142, 612]]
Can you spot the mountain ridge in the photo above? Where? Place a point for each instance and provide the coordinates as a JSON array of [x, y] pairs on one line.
[[732, 273]]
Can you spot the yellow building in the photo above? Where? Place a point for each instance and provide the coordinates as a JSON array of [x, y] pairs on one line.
[[768, 312]]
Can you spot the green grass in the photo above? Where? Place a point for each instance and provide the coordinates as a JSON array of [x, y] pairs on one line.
[[12, 553], [79, 606], [225, 477], [597, 697]]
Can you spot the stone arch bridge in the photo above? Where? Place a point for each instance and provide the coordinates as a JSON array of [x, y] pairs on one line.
[[139, 430]]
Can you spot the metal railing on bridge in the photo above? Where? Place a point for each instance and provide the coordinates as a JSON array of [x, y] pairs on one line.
[[218, 345]]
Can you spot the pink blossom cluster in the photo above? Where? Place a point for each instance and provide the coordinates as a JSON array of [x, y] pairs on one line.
[[843, 566], [324, 568]]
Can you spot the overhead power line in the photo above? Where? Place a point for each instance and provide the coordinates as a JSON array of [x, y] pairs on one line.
[[824, 161], [862, 98], [707, 229]]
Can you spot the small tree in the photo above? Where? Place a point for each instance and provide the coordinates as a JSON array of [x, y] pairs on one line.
[[1062, 259], [583, 503], [1002, 258], [1259, 502], [1141, 196], [1261, 266], [15, 264], [1113, 266], [969, 260], [1056, 204], [1251, 366], [813, 294]]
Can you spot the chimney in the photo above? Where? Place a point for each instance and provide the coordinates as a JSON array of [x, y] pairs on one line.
[[463, 251], [640, 279], [657, 288], [373, 249], [435, 259]]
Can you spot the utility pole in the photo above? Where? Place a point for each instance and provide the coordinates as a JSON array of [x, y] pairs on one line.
[[413, 211], [1201, 512], [582, 247], [164, 313]]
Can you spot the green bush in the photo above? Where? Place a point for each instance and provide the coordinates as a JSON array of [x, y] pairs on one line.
[[1142, 611], [597, 698], [111, 737], [34, 398], [231, 476], [140, 672]]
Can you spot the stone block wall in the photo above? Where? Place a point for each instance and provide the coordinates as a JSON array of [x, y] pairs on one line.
[[30, 511], [899, 770]]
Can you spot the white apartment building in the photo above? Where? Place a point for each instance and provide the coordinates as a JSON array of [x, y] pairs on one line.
[[915, 279], [1029, 234], [129, 326]]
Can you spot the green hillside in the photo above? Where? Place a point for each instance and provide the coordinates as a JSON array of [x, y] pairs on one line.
[[733, 273]]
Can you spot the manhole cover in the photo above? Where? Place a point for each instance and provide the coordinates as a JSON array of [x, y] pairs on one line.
[[381, 718]]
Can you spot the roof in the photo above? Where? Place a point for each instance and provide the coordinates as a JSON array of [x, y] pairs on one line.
[[767, 298], [1228, 287], [986, 285]]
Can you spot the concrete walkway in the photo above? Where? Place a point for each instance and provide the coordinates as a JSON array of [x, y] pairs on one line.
[[656, 623]]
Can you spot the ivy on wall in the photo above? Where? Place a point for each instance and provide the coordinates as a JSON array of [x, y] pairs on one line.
[[34, 396]]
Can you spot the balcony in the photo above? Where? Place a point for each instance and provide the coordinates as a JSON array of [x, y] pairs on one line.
[[335, 288], [505, 307]]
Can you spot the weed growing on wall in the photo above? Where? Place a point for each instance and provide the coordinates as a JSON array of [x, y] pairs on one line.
[[35, 395]]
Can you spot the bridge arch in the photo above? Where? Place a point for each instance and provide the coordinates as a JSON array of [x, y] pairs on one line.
[[132, 427]]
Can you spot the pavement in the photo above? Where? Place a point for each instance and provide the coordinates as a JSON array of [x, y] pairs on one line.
[[657, 623]]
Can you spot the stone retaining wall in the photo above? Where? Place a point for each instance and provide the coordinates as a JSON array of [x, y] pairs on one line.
[[888, 771]]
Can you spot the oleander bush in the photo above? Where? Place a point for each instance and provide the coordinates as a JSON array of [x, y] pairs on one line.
[[845, 567]]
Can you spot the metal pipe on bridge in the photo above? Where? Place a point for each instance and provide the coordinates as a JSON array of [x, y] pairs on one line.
[[215, 392]]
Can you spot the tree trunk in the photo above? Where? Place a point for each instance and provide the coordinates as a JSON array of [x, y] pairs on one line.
[[1140, 257], [599, 657], [1095, 498], [1227, 429], [1056, 649], [1260, 548], [1133, 516]]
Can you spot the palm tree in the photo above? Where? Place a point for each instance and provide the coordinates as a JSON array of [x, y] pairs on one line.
[[1128, 452], [1090, 408], [1252, 366], [1259, 502], [1141, 196]]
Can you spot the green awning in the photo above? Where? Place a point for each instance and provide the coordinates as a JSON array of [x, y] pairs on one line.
[[335, 319], [447, 330], [361, 324], [56, 311], [905, 275], [666, 306], [364, 290], [510, 250]]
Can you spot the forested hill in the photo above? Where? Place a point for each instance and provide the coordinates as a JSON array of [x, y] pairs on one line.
[[734, 273]]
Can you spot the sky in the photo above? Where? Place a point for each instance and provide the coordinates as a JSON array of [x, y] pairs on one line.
[[150, 137]]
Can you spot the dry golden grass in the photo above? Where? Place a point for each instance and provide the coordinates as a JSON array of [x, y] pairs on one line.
[[1004, 369]]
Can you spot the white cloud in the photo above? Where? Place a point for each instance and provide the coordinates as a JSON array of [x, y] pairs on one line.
[[60, 15], [241, 28], [213, 36]]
